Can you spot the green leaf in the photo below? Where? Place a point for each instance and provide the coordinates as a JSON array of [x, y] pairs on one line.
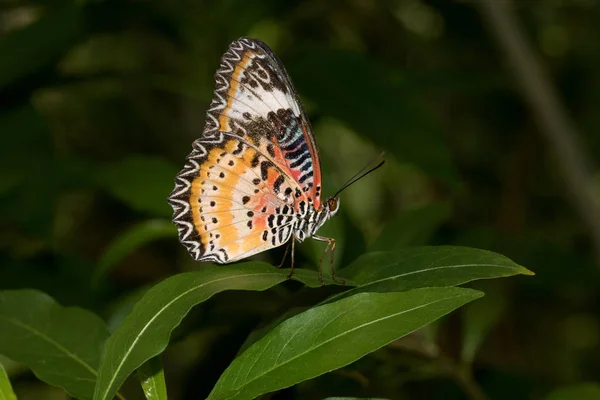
[[145, 332], [478, 319], [62, 345], [413, 227], [6, 391], [427, 266], [130, 240], [262, 331], [141, 182], [331, 336], [152, 377], [121, 307], [582, 391], [396, 120]]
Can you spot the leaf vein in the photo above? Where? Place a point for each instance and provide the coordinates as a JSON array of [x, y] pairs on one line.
[[166, 306], [340, 335], [60, 347]]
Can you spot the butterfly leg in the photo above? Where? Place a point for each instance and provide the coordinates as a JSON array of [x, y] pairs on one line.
[[330, 245], [343, 282], [287, 248], [292, 266]]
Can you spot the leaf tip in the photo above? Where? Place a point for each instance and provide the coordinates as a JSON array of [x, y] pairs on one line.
[[526, 271]]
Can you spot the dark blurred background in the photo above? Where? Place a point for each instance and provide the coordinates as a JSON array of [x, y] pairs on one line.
[[101, 100]]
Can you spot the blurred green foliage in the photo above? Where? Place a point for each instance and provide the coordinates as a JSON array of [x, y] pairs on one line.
[[101, 99]]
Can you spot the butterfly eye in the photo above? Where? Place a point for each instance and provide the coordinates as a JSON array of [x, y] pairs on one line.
[[332, 204]]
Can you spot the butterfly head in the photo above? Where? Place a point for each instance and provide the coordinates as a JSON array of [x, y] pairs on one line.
[[333, 205]]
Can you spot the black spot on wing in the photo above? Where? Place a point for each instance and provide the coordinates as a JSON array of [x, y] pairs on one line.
[[238, 149], [264, 169], [277, 184]]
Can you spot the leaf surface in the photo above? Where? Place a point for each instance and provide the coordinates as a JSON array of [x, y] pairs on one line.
[[426, 266], [6, 391], [146, 331], [152, 378], [61, 345], [331, 336]]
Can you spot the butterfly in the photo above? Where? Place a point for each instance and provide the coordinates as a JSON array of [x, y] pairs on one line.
[[253, 179]]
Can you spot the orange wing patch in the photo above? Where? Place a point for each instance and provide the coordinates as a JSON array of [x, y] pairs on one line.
[[230, 202]]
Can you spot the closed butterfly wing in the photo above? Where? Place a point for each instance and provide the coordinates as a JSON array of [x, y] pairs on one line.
[[256, 100], [255, 162]]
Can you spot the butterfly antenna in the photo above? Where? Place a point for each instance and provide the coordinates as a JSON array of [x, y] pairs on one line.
[[361, 174]]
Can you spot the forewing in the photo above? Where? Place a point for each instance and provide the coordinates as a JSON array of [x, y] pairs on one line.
[[255, 99]]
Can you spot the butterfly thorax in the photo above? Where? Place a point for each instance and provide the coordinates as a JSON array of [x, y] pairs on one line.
[[308, 223]]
